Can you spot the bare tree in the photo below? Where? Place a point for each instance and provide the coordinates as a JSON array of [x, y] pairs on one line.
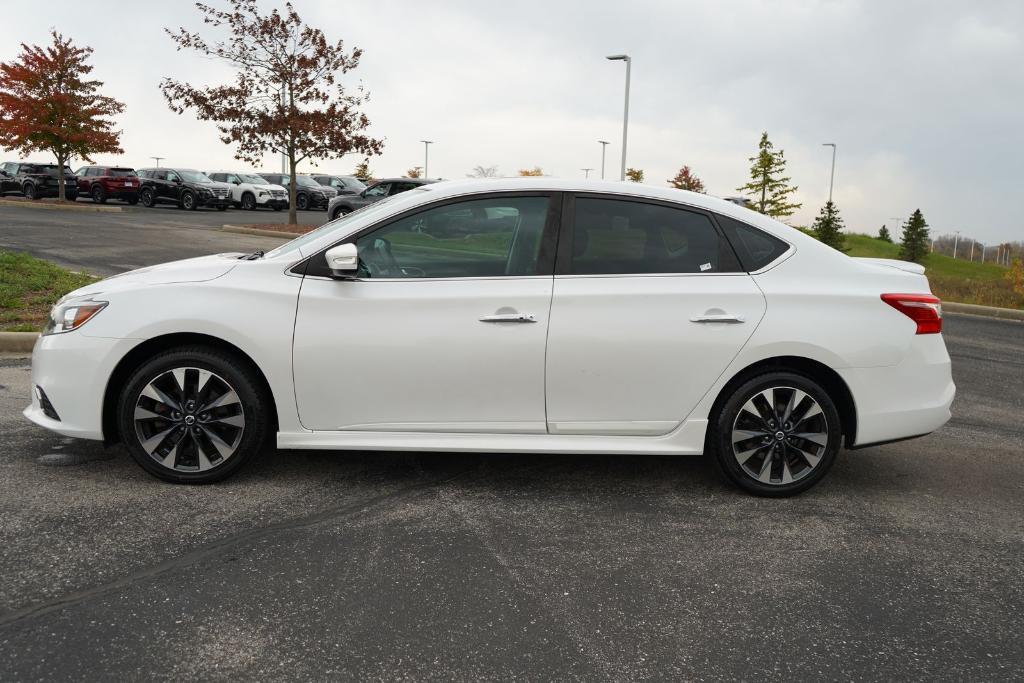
[[483, 172]]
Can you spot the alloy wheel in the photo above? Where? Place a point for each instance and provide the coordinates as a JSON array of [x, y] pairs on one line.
[[188, 201], [189, 419], [779, 435]]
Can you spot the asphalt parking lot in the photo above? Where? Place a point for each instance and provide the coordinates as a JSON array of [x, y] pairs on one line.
[[906, 562]]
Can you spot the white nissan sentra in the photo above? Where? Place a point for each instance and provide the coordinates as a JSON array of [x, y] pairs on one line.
[[521, 315]]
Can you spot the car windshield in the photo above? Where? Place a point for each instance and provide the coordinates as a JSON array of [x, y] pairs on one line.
[[354, 184], [306, 181], [193, 176], [337, 224], [254, 179], [122, 173]]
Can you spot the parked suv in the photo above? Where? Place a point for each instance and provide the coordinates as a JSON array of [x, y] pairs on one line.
[[250, 191], [374, 193], [343, 184], [309, 194], [185, 187], [8, 184], [108, 182], [42, 180]]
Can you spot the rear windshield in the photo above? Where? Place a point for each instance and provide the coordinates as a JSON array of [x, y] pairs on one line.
[[122, 173]]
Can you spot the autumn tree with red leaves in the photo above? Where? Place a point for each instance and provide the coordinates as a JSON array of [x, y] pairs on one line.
[[286, 96], [686, 179], [46, 104]]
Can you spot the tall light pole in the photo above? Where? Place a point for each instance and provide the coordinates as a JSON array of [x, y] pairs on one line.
[[625, 111], [586, 172], [832, 177], [604, 148], [426, 157], [158, 160], [956, 240]]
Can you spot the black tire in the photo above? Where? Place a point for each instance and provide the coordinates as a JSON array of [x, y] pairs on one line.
[[339, 213], [248, 201], [98, 195], [30, 191], [133, 201], [146, 195], [222, 207], [254, 406], [302, 202], [790, 456], [188, 201]]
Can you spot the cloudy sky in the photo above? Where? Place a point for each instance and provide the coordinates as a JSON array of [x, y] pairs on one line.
[[925, 99]]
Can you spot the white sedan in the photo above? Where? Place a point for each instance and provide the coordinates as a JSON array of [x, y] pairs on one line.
[[521, 315]]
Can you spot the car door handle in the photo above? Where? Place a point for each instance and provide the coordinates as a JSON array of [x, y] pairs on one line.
[[509, 318], [719, 318]]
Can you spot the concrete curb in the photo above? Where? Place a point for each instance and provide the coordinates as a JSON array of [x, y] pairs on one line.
[[42, 204], [987, 311], [18, 342], [242, 230]]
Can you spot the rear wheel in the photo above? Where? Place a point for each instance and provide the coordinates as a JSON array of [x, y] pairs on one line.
[[194, 415], [31, 191], [147, 197], [777, 434], [302, 202], [98, 195]]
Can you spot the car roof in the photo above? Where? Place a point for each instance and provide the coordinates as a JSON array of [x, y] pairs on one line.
[[417, 181]]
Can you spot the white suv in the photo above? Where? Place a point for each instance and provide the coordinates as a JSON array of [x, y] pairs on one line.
[[249, 191]]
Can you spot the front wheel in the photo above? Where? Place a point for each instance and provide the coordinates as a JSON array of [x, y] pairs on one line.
[[31, 191], [776, 435], [188, 201], [194, 415], [302, 202], [248, 201], [339, 213]]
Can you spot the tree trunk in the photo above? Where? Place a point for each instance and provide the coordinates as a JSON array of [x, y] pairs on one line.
[[61, 160], [293, 216]]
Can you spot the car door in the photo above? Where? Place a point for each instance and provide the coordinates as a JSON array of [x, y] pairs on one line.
[[649, 307], [443, 329], [172, 186]]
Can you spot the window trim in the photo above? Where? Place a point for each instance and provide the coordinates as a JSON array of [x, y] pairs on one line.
[[545, 259], [563, 261]]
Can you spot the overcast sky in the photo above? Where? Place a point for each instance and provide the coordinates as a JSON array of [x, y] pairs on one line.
[[925, 99]]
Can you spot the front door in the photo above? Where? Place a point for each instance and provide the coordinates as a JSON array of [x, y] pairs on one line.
[[444, 329], [649, 308]]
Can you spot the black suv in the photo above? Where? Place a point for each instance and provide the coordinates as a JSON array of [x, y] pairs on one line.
[[374, 193], [41, 180], [8, 184], [309, 194], [185, 187]]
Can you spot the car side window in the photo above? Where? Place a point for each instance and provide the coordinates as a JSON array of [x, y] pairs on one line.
[[378, 190], [755, 248], [172, 176], [618, 237], [160, 175], [492, 237]]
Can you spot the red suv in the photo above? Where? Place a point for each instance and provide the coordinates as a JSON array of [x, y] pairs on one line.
[[108, 182]]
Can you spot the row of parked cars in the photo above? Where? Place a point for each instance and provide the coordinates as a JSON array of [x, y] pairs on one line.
[[191, 189]]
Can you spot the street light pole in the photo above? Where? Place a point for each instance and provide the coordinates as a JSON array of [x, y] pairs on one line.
[[832, 177], [625, 111], [158, 159], [604, 148], [956, 240], [426, 157], [586, 172]]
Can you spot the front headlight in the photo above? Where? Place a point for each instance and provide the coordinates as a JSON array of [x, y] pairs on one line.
[[263, 193], [203, 192], [72, 315]]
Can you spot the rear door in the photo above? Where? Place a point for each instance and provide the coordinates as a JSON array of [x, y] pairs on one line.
[[649, 307]]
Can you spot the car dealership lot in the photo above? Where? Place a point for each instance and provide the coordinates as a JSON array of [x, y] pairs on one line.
[[904, 562]]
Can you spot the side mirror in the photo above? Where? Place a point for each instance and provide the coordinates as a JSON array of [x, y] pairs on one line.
[[343, 260], [177, 181]]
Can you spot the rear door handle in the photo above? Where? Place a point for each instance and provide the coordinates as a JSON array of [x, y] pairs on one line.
[[509, 318], [720, 318]]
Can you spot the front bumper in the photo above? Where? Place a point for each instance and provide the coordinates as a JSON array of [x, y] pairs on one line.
[[272, 203], [73, 370], [215, 202]]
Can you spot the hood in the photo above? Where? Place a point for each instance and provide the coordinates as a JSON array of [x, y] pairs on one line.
[[199, 269], [905, 266]]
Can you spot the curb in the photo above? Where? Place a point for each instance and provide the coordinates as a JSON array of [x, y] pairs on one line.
[[41, 204], [242, 230], [18, 342], [986, 311]]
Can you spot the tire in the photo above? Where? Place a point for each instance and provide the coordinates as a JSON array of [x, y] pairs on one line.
[[248, 201], [133, 201], [222, 207], [188, 201], [147, 197], [339, 213], [30, 191], [177, 441], [98, 196], [302, 202], [771, 455]]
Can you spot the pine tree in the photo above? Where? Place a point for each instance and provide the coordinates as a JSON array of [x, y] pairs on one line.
[[883, 234], [686, 179], [914, 246], [635, 175], [768, 187], [828, 227], [363, 170]]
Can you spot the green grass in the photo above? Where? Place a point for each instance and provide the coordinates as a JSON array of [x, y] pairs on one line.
[[951, 279], [28, 289]]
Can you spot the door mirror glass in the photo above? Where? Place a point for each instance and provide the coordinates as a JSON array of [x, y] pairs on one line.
[[343, 260]]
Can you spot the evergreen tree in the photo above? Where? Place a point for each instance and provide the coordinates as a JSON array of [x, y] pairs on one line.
[[635, 175], [883, 234], [768, 187], [914, 246], [686, 179], [363, 170], [828, 227]]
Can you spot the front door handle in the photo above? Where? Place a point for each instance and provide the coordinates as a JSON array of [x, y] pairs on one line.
[[719, 318], [509, 318]]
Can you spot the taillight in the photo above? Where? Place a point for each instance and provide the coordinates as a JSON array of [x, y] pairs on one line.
[[923, 309]]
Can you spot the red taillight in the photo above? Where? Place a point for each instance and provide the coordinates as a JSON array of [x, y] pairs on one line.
[[923, 309]]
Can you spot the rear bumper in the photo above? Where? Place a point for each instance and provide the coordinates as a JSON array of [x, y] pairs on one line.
[[912, 398]]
